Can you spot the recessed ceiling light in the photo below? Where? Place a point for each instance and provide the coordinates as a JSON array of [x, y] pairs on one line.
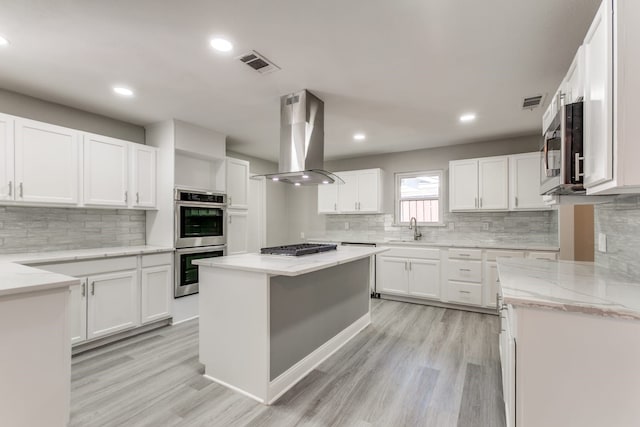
[[123, 91], [359, 136], [305, 176], [275, 178], [3, 41], [221, 45], [297, 184], [325, 182], [469, 117]]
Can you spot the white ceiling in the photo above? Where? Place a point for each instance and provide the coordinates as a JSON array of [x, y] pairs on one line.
[[401, 71]]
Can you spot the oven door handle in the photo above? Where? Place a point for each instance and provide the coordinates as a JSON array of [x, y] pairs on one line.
[[202, 249], [222, 206]]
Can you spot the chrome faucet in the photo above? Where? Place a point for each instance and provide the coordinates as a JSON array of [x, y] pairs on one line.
[[416, 234]]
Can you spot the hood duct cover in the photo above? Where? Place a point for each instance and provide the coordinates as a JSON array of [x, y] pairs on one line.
[[302, 141]]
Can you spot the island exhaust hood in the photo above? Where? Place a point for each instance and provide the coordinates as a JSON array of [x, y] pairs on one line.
[[302, 141]]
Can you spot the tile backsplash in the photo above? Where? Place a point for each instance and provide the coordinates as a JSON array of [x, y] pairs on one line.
[[36, 229], [620, 222], [535, 227]]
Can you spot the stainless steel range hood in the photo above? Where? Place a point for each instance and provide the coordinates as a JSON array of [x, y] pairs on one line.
[[302, 141]]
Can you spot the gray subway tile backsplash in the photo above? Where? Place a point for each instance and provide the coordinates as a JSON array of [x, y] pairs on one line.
[[38, 229]]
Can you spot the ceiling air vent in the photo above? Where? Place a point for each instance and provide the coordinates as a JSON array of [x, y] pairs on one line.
[[258, 62], [531, 102]]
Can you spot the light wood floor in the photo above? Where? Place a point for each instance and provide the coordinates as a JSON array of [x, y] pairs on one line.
[[414, 366]]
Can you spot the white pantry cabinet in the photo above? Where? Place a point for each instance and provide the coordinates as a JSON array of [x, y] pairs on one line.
[[143, 175], [479, 184], [524, 182], [46, 163], [6, 157], [237, 184], [361, 193], [237, 232], [113, 303], [105, 171], [612, 82]]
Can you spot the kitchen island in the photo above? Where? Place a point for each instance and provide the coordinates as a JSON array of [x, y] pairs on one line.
[[266, 320]]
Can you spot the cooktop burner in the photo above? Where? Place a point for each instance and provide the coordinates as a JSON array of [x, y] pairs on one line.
[[298, 249]]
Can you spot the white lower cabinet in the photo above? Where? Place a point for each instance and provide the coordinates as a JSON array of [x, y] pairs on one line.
[[155, 293], [424, 278], [113, 303], [409, 271], [392, 275]]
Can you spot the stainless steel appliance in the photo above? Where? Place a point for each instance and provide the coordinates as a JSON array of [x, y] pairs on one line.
[[200, 218], [298, 249], [561, 154], [187, 282]]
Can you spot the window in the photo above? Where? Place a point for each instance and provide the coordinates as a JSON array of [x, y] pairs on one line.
[[418, 194]]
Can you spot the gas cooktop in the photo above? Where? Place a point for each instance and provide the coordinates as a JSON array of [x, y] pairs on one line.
[[298, 249]]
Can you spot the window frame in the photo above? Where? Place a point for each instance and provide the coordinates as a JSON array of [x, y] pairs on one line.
[[399, 176]]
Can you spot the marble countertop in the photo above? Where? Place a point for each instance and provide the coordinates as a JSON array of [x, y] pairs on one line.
[[18, 279], [81, 254], [443, 243], [568, 286], [290, 266]]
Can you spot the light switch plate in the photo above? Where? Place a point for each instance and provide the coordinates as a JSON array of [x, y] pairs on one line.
[[602, 242]]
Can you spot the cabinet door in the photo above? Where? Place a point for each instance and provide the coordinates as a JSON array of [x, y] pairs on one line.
[[574, 80], [78, 312], [598, 113], [156, 283], [46, 163], [463, 185], [424, 278], [237, 232], [328, 198], [348, 192], [237, 184], [105, 171], [524, 172], [491, 284], [113, 303], [368, 191], [392, 275], [6, 158], [143, 175], [493, 184]]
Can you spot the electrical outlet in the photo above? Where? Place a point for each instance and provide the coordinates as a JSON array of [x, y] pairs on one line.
[[346, 225], [302, 234], [485, 226], [602, 242]]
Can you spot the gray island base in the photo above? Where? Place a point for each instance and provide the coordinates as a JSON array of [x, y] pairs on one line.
[[267, 321]]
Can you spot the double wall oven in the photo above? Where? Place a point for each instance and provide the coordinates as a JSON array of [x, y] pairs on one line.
[[200, 219]]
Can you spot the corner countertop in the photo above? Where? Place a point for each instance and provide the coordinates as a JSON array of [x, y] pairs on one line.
[[17, 279], [278, 265], [30, 258], [568, 286], [475, 244]]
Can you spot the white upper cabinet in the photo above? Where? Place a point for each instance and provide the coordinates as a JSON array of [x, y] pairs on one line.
[[598, 117], [328, 198], [524, 182], [493, 183], [612, 82], [6, 158], [237, 184], [143, 176], [105, 171], [574, 80], [463, 185], [361, 193], [46, 163]]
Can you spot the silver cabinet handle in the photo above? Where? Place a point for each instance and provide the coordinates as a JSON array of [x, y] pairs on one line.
[[577, 167], [516, 201], [126, 196], [480, 201], [335, 206], [93, 288], [137, 197], [21, 192], [230, 219], [410, 266], [465, 292], [475, 202], [465, 269], [464, 254], [230, 202], [84, 289], [405, 265], [10, 188]]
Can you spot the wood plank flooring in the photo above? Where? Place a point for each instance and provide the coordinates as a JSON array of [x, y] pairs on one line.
[[414, 366]]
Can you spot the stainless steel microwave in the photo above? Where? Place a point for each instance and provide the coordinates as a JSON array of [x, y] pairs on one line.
[[561, 153], [200, 218]]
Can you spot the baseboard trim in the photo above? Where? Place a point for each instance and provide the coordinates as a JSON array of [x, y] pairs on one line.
[[234, 388], [297, 372], [185, 320], [474, 309]]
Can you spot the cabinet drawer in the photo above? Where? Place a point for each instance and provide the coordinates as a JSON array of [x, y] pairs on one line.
[[465, 271], [157, 259], [465, 253], [492, 255], [551, 256], [96, 266], [407, 252], [464, 293]]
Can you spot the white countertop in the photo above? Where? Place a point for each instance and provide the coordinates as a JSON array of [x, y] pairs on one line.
[[290, 265], [444, 243], [29, 258], [17, 279], [568, 286]]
